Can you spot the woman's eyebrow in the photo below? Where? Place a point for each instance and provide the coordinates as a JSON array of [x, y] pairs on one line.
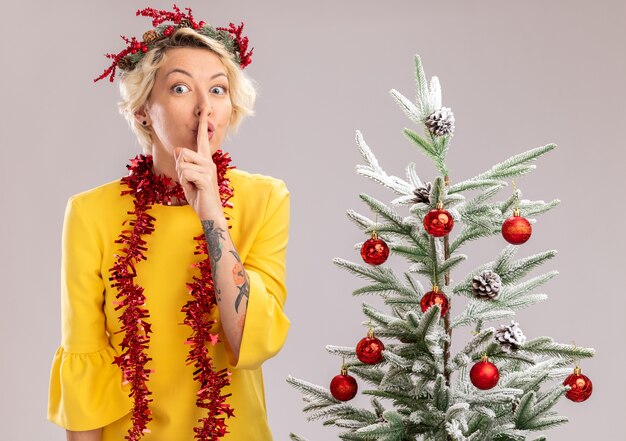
[[191, 76]]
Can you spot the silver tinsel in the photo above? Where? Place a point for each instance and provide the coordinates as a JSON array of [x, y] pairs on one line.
[[510, 337], [486, 284], [440, 122], [422, 194]]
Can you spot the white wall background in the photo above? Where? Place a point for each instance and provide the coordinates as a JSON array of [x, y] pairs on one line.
[[516, 74]]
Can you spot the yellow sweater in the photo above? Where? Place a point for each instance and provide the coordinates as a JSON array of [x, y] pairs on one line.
[[86, 390]]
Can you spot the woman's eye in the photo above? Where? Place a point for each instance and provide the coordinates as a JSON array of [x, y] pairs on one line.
[[220, 90], [179, 88]]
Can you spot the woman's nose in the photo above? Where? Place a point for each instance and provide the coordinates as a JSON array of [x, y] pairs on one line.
[[205, 104]]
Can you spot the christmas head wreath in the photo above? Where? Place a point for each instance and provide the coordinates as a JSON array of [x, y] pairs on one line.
[[128, 58]]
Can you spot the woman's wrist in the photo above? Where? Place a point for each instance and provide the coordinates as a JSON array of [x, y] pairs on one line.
[[216, 218]]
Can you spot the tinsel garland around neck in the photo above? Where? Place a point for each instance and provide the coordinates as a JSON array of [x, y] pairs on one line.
[[147, 188]]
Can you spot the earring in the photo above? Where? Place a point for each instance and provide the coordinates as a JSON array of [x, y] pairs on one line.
[[145, 123]]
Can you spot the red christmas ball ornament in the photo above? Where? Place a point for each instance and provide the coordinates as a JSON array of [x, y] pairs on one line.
[[484, 374], [370, 349], [580, 384], [343, 386], [438, 222], [435, 297], [375, 250], [516, 229]]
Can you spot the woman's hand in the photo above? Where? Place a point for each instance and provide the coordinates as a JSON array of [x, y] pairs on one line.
[[197, 173]]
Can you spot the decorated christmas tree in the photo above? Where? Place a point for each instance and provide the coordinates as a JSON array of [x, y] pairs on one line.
[[500, 385]]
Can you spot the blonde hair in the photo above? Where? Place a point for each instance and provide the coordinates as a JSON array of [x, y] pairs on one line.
[[136, 84]]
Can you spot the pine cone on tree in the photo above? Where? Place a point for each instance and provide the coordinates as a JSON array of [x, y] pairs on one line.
[[440, 122], [486, 284], [515, 403], [510, 337], [422, 194]]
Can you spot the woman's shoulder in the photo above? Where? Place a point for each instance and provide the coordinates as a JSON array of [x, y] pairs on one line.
[[259, 200], [104, 195], [250, 182]]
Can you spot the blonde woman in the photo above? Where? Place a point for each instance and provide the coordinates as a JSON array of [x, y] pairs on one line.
[[173, 277]]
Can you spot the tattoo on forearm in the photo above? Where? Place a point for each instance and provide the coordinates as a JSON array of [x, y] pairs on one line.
[[240, 278], [214, 245], [242, 321]]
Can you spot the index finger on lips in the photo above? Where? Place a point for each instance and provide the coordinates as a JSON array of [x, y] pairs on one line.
[[204, 147]]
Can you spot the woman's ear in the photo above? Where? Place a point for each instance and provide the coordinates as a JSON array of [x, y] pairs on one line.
[[141, 116]]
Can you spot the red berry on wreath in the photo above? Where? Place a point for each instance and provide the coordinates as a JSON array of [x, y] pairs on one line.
[[370, 349], [580, 384], [435, 297], [438, 222], [484, 374], [375, 250], [516, 229], [343, 386]]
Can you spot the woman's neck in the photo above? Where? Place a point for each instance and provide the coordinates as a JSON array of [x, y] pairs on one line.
[[165, 165]]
